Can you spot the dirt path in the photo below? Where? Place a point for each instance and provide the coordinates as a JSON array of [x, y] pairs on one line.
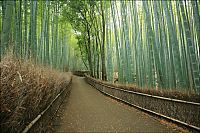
[[87, 110]]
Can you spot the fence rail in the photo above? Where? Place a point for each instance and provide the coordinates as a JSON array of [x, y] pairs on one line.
[[179, 111], [80, 73], [34, 121]]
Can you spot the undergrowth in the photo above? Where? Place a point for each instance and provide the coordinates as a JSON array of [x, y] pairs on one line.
[[175, 94], [25, 90]]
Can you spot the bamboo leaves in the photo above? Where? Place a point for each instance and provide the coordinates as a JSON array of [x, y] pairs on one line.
[[153, 44]]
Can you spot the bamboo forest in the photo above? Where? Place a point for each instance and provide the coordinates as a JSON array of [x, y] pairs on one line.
[[150, 45]]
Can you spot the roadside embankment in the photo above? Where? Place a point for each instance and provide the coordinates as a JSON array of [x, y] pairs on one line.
[[26, 90]]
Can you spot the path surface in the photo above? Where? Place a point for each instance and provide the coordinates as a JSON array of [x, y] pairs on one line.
[[88, 110]]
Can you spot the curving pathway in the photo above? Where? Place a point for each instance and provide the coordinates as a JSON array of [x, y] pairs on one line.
[[88, 110]]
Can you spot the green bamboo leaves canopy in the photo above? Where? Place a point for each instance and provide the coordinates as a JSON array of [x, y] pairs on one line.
[[152, 44]]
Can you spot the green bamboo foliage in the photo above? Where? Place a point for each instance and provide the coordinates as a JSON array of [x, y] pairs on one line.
[[150, 39], [174, 52], [47, 53], [157, 47], [152, 44], [159, 34], [196, 17], [126, 36], [6, 28], [184, 62], [32, 46], [191, 49], [109, 48], [18, 49], [117, 42], [25, 33], [27, 28]]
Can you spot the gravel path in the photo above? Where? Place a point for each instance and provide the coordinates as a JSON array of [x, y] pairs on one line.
[[88, 110]]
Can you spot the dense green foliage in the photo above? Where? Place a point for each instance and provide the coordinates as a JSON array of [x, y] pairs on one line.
[[153, 44], [36, 30]]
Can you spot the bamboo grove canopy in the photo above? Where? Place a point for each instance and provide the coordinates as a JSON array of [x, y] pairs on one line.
[[152, 44]]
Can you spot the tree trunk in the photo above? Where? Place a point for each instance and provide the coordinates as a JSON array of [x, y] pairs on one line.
[[104, 76], [6, 31]]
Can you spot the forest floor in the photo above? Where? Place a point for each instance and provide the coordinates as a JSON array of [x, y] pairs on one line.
[[88, 110]]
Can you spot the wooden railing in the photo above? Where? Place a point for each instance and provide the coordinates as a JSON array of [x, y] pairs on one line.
[[41, 122], [80, 73], [182, 112]]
